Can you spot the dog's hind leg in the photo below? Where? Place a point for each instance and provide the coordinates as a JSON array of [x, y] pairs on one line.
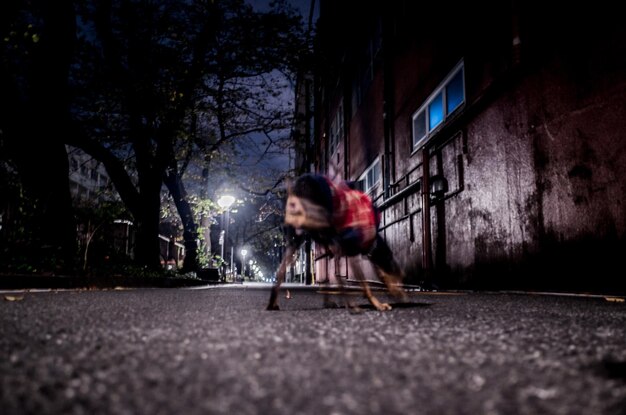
[[387, 268], [280, 277], [356, 269], [393, 282]]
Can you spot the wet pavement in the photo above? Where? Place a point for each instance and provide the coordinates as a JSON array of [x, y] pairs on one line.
[[215, 350]]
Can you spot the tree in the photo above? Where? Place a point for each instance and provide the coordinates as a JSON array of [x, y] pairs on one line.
[[261, 229], [239, 106], [35, 58], [148, 89], [177, 80]]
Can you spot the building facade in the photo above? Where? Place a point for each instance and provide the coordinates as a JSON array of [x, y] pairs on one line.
[[492, 137]]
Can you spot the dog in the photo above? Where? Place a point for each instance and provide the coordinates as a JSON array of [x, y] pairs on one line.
[[345, 221]]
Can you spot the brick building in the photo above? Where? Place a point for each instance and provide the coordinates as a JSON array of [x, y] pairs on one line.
[[492, 136]]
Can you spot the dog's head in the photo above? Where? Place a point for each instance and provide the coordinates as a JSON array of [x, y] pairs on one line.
[[309, 203]]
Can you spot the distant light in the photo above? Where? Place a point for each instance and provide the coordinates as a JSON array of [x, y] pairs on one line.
[[124, 221], [226, 201], [244, 252]]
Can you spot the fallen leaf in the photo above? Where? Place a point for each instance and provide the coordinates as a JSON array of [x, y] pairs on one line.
[[614, 299], [14, 297]]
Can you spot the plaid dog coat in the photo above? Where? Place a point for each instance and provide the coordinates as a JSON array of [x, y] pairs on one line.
[[355, 219], [320, 204]]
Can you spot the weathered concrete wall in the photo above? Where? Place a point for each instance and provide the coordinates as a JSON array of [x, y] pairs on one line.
[[535, 161], [543, 198], [536, 166]]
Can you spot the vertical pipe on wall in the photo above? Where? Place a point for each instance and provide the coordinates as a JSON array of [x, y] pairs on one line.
[[308, 264], [516, 41], [426, 242], [388, 107]]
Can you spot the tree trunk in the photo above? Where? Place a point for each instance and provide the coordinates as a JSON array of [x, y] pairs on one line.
[[147, 243], [190, 227]]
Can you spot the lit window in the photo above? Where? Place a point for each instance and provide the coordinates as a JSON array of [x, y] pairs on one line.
[[435, 112], [442, 103], [454, 92]]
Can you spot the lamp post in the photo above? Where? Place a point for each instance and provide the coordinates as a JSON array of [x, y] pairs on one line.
[[244, 252], [225, 202]]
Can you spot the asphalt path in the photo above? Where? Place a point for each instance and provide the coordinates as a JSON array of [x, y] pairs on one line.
[[215, 350]]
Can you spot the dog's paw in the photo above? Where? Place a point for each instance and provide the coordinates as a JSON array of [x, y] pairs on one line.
[[384, 307], [380, 306]]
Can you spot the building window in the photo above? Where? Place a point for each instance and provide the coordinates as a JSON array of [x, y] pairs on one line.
[[336, 130], [103, 182], [440, 105], [368, 57], [370, 177]]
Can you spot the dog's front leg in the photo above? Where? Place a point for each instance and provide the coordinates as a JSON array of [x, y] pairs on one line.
[[280, 277]]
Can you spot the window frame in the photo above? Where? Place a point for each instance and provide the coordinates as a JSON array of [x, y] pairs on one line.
[[336, 132], [364, 176], [440, 92]]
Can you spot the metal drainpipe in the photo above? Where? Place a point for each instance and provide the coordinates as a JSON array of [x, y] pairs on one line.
[[388, 98], [516, 42], [426, 242], [307, 137]]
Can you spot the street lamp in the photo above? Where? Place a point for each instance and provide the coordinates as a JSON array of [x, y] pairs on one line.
[[225, 202], [244, 252]]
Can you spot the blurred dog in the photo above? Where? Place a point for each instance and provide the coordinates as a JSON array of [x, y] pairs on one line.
[[344, 221]]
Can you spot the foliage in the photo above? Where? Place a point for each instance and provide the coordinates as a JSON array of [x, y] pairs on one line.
[[131, 270], [161, 91], [95, 223]]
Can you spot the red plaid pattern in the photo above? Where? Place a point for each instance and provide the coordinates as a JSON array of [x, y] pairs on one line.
[[354, 210]]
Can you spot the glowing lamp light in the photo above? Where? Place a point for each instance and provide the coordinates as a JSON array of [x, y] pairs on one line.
[[226, 201]]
